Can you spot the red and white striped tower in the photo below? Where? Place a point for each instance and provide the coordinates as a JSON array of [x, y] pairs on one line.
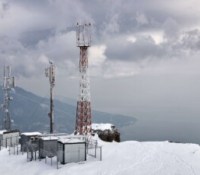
[[83, 111]]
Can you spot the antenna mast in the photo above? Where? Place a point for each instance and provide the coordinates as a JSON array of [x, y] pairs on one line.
[[8, 84], [50, 73], [83, 111]]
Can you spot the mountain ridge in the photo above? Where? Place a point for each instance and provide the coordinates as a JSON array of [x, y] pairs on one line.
[[29, 112]]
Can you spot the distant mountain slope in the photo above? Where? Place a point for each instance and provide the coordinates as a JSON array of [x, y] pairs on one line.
[[29, 113]]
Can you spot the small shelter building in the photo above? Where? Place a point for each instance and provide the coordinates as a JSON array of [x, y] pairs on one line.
[[9, 138], [71, 150], [48, 146]]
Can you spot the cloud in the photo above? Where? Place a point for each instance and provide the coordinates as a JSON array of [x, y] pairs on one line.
[[191, 40], [24, 62], [171, 29], [120, 69], [18, 19], [96, 55], [143, 48], [32, 38], [28, 30], [125, 34], [141, 19]]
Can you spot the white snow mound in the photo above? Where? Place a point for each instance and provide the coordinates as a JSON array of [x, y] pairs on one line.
[[102, 126]]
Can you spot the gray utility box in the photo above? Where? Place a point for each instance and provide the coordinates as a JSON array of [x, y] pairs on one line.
[[48, 146], [29, 139], [9, 138], [71, 150]]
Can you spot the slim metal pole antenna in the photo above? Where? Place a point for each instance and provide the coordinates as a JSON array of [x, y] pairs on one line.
[[8, 84], [50, 73]]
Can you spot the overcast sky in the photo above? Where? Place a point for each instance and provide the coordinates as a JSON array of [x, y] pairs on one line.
[[144, 59]]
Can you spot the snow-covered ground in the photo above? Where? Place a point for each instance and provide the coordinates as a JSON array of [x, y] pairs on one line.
[[102, 126], [126, 158]]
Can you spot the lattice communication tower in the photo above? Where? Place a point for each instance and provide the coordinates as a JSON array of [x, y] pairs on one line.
[[8, 85], [83, 111]]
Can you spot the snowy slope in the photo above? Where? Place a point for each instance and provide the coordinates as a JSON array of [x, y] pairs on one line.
[[126, 158]]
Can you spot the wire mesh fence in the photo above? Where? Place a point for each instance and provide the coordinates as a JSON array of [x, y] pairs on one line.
[[94, 150]]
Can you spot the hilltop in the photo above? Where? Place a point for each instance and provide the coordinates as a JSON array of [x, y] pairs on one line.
[[125, 158]]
